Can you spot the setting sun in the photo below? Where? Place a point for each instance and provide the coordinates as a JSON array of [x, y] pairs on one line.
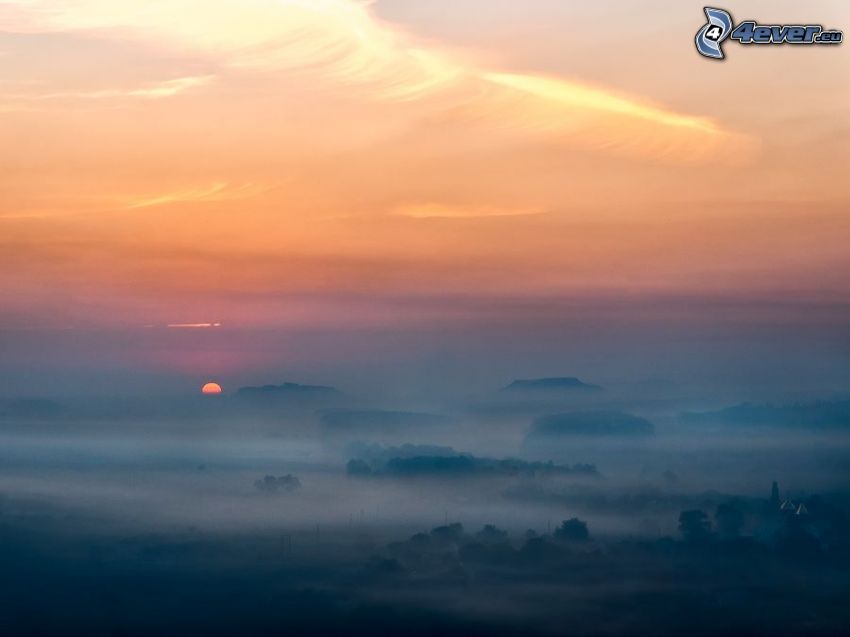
[[211, 388]]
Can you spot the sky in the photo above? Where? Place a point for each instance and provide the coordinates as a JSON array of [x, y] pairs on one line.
[[309, 188]]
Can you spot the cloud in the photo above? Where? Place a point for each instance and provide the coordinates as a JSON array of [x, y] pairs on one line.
[[578, 96], [434, 210], [170, 88], [218, 191], [342, 42], [167, 88], [193, 325]]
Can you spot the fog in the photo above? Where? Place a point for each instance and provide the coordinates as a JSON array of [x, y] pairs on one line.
[[451, 510]]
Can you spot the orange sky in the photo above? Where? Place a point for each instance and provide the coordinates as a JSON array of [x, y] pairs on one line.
[[300, 162]]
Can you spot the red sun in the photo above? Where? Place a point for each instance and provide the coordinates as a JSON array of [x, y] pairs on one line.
[[211, 388]]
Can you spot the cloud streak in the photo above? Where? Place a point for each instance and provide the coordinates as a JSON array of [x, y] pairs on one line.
[[343, 42], [164, 89], [192, 325], [218, 191], [433, 210]]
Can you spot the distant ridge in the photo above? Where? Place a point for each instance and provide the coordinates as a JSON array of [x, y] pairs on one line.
[[286, 389], [557, 383], [588, 423], [820, 414], [419, 460], [290, 395]]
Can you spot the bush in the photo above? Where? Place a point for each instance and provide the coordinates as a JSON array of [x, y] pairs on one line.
[[572, 530]]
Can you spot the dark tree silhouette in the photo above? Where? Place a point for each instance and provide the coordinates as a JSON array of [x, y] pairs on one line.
[[270, 484], [729, 520], [572, 530], [490, 534], [694, 525], [448, 534], [357, 467]]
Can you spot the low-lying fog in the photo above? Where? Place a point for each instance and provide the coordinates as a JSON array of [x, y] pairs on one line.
[[324, 477]]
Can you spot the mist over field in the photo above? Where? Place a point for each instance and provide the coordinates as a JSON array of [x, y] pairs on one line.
[[545, 505]]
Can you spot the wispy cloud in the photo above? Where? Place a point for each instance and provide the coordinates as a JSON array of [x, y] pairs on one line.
[[434, 210], [164, 89], [573, 95], [193, 325], [218, 191], [69, 206], [342, 41], [171, 87]]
